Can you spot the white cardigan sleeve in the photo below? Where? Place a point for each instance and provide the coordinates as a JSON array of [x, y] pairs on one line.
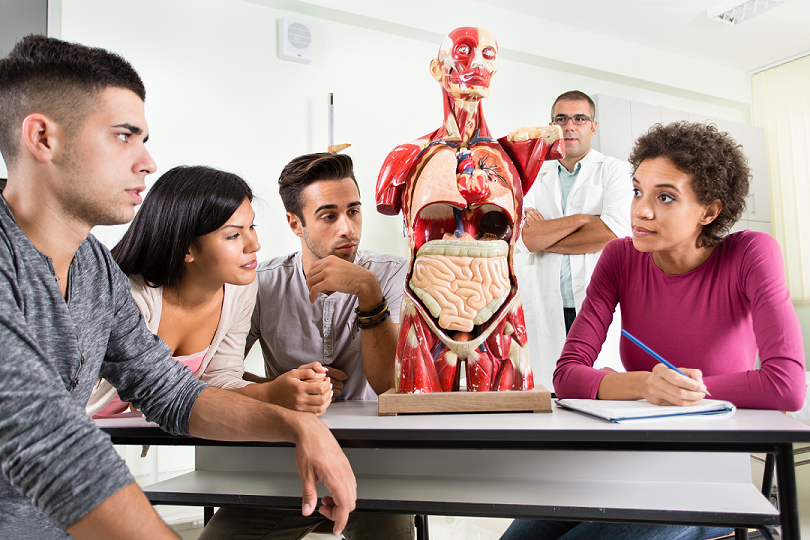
[[224, 364]]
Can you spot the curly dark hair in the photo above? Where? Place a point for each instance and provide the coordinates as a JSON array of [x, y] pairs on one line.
[[713, 160]]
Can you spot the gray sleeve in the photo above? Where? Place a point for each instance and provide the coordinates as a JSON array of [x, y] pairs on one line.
[[140, 366], [50, 450]]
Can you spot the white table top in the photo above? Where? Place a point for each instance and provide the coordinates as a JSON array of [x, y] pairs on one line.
[[355, 421]]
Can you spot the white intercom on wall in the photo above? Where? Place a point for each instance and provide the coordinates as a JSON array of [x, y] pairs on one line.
[[295, 40]]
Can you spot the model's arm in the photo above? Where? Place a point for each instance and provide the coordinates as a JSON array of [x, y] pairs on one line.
[[222, 415], [379, 344]]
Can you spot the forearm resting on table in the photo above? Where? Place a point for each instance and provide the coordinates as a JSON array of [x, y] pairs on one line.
[[624, 386], [125, 515], [540, 234], [230, 416], [589, 239]]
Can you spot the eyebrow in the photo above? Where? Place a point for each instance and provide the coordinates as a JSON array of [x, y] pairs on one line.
[[670, 186], [334, 206], [134, 129]]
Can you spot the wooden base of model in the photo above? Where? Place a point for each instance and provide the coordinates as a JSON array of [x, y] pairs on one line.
[[536, 401]]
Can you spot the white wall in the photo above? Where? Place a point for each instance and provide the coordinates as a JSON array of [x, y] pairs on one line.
[[218, 95]]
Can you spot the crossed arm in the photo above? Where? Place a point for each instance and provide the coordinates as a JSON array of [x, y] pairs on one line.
[[570, 235]]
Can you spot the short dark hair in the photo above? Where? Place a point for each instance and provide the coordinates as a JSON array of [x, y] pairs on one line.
[[713, 160], [575, 95], [182, 205], [309, 168], [58, 79]]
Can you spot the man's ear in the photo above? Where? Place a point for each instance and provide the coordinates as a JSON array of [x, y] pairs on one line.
[[295, 224], [713, 210], [42, 136], [436, 69]]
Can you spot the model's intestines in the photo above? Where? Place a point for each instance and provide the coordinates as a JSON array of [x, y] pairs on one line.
[[462, 283]]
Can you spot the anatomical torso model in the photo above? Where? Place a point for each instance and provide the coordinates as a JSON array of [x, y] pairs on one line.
[[461, 194]]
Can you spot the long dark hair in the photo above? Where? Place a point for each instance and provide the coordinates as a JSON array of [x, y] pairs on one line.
[[182, 205]]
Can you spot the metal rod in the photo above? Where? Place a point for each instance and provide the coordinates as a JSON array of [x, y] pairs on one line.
[[331, 119]]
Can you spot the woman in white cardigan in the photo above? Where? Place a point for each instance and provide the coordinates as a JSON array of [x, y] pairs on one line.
[[190, 254]]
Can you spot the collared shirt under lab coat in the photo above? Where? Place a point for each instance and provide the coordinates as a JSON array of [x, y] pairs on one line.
[[603, 187]]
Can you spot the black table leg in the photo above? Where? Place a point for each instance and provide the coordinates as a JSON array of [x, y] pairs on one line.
[[208, 513], [422, 532], [767, 476], [741, 534], [788, 500]]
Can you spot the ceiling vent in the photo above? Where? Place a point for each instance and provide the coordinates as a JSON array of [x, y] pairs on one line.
[[736, 11]]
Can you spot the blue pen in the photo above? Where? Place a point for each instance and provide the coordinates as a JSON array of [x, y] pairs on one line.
[[654, 354]]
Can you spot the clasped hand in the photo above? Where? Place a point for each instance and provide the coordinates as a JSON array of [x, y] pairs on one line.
[[309, 388]]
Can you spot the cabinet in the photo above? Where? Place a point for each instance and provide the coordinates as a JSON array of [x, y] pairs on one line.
[[621, 122]]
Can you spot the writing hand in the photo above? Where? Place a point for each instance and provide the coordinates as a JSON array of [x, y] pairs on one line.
[[665, 386]]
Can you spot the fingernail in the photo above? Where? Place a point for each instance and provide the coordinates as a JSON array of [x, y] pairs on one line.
[[338, 533], [332, 393], [330, 384], [307, 509]]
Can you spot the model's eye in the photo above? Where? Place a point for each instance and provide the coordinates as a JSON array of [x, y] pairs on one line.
[[636, 192], [489, 53], [123, 136], [463, 50], [233, 236], [666, 198]]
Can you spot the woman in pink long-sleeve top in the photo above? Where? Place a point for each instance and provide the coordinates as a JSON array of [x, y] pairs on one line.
[[704, 300]]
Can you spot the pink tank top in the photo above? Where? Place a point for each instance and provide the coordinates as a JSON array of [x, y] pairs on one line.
[[191, 361]]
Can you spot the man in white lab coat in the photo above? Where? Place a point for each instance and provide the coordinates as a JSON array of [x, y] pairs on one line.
[[576, 206]]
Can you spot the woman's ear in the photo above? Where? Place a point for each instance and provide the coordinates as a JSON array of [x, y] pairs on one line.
[[713, 210]]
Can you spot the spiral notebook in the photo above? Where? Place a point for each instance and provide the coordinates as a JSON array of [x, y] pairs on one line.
[[629, 411]]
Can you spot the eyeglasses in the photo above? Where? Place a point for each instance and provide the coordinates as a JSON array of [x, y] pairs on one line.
[[578, 119]]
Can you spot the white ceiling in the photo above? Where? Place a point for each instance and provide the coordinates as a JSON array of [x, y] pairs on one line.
[[682, 27]]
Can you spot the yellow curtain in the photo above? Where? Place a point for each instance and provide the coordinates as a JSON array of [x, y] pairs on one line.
[[781, 105]]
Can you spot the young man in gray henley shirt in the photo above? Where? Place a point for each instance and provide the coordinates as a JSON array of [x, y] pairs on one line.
[[72, 133], [328, 303]]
